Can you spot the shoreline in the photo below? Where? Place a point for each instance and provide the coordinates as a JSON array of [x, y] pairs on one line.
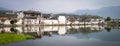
[[49, 25]]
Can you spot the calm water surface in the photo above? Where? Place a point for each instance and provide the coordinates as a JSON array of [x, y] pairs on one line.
[[91, 35]]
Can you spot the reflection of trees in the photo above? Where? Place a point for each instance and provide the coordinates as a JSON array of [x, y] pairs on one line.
[[2, 31], [85, 30], [113, 26], [34, 34], [81, 30], [33, 31], [71, 30], [88, 30], [108, 29], [47, 34], [13, 30]]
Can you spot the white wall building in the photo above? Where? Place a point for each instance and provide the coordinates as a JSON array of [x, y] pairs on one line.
[[60, 20], [29, 17], [48, 21]]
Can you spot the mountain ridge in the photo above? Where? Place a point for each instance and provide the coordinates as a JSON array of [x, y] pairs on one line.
[[2, 8], [112, 11]]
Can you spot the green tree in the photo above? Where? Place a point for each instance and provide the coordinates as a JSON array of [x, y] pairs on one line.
[[13, 30], [108, 19], [13, 21], [108, 29]]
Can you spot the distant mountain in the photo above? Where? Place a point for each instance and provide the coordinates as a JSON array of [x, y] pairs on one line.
[[1, 8], [112, 11]]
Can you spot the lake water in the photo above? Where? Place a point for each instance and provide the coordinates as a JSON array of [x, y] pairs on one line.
[[90, 35]]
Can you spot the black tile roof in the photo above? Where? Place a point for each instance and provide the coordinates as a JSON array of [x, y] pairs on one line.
[[5, 14], [46, 15], [30, 17], [32, 12]]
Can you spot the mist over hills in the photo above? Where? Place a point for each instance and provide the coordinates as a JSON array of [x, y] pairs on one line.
[[3, 9], [112, 11]]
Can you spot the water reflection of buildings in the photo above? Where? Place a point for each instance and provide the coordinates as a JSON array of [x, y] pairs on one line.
[[84, 29], [50, 30]]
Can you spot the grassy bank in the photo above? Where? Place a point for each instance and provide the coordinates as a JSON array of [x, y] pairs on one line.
[[9, 38]]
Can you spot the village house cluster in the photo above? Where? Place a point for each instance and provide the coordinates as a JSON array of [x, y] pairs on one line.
[[31, 17]]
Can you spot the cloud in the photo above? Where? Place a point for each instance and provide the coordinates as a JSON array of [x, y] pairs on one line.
[[57, 5]]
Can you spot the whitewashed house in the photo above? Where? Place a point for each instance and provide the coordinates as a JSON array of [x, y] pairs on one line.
[[90, 21], [30, 17], [8, 16], [62, 19], [97, 21], [7, 22], [76, 22], [50, 21], [19, 22], [55, 20]]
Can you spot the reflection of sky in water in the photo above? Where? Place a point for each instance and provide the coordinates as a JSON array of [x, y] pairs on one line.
[[104, 35], [102, 38], [67, 41]]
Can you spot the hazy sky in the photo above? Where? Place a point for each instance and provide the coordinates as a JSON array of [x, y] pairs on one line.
[[57, 6]]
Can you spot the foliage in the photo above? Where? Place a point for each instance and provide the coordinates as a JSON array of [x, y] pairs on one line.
[[108, 19], [72, 20], [3, 20], [9, 38], [108, 29], [13, 21], [97, 17], [91, 17], [88, 16], [13, 30]]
